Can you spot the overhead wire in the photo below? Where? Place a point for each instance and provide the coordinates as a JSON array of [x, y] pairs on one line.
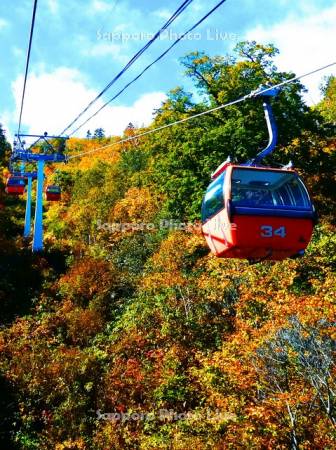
[[186, 119], [150, 65], [27, 63], [175, 15], [111, 11]]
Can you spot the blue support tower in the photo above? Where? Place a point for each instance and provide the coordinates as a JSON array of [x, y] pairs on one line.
[[52, 156], [38, 224], [27, 227], [30, 177]]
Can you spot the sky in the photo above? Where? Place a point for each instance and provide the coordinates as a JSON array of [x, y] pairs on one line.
[[80, 45]]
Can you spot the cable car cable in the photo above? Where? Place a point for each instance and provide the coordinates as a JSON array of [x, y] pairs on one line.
[[186, 119], [27, 63], [150, 65], [176, 14]]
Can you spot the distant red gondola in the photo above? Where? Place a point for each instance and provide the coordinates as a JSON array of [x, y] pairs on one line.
[[53, 193], [15, 185]]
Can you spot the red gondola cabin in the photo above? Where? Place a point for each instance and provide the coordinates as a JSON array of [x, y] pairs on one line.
[[53, 193], [15, 185], [257, 213]]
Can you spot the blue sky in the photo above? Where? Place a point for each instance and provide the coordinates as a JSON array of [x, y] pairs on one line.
[[80, 45]]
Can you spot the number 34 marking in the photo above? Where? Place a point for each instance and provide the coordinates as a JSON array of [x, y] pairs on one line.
[[268, 231]]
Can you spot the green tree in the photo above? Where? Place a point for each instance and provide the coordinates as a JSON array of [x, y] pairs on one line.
[[327, 107], [99, 133], [5, 147], [187, 154]]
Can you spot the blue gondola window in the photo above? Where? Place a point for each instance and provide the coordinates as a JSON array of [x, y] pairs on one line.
[[269, 189], [213, 200]]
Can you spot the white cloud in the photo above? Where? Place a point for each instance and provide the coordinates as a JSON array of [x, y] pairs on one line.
[[162, 14], [3, 24], [105, 49], [195, 8], [305, 43], [5, 120], [54, 99], [198, 7], [53, 6], [18, 53], [101, 6]]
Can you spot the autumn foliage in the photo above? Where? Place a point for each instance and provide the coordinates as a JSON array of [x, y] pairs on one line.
[[136, 337]]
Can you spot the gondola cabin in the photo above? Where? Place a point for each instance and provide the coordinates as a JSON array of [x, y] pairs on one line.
[[52, 193], [257, 213], [15, 185]]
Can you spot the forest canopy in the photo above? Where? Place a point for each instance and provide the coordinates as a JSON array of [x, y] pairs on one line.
[[137, 337]]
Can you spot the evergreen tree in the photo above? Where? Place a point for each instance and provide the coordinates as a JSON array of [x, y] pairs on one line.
[[99, 133], [5, 147]]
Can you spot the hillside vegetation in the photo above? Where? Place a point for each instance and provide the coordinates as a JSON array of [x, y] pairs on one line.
[[133, 336]]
